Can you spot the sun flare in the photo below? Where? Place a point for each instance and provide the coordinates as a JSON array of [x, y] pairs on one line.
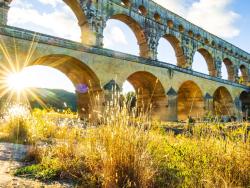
[[16, 82], [19, 90], [16, 86]]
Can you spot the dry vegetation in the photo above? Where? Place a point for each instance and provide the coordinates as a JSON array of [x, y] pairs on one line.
[[122, 150]]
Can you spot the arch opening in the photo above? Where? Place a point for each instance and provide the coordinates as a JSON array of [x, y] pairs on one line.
[[180, 59], [223, 104], [44, 87], [142, 10], [116, 39], [190, 101], [129, 94], [150, 94], [127, 87], [230, 69], [86, 83], [166, 52], [126, 3], [203, 62], [245, 104], [57, 18], [134, 42], [243, 75], [224, 74]]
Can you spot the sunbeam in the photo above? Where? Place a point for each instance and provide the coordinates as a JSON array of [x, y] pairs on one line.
[[14, 85], [16, 82]]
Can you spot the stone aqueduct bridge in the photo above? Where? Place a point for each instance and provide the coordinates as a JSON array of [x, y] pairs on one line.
[[174, 91]]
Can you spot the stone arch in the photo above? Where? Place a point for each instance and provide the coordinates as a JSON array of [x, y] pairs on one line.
[[150, 93], [84, 79], [230, 68], [137, 30], [175, 43], [190, 101], [245, 104], [244, 74], [209, 60], [223, 104]]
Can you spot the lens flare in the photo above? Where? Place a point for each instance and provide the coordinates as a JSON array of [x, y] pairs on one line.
[[16, 82]]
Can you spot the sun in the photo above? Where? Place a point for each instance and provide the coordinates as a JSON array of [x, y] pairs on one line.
[[16, 82]]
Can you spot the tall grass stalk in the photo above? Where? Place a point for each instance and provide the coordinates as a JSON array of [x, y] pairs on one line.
[[125, 149]]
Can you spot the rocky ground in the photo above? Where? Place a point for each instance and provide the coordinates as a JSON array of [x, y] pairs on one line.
[[11, 156]]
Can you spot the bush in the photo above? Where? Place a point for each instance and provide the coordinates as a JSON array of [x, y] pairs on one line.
[[37, 171], [105, 156]]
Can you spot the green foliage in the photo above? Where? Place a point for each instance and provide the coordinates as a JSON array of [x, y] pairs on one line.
[[27, 170], [206, 162], [38, 171], [57, 99], [54, 98]]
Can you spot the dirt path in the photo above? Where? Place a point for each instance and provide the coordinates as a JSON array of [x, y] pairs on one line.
[[10, 159]]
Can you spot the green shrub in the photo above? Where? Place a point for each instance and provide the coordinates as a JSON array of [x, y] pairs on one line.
[[38, 171]]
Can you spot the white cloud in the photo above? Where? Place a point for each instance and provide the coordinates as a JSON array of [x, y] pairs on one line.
[[118, 35], [212, 15], [59, 23], [54, 3], [114, 36], [177, 6], [21, 3]]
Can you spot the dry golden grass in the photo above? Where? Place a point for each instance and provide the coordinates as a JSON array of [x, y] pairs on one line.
[[123, 150]]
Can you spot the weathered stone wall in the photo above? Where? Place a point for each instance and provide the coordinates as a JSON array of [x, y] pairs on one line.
[[95, 67], [149, 22]]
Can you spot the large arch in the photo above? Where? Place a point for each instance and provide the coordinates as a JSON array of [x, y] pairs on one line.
[[209, 60], [150, 93], [175, 43], [137, 30], [230, 69], [84, 79], [223, 104], [244, 74], [245, 104], [190, 101]]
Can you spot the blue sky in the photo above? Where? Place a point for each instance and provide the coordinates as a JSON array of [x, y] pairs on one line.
[[229, 19], [242, 7]]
